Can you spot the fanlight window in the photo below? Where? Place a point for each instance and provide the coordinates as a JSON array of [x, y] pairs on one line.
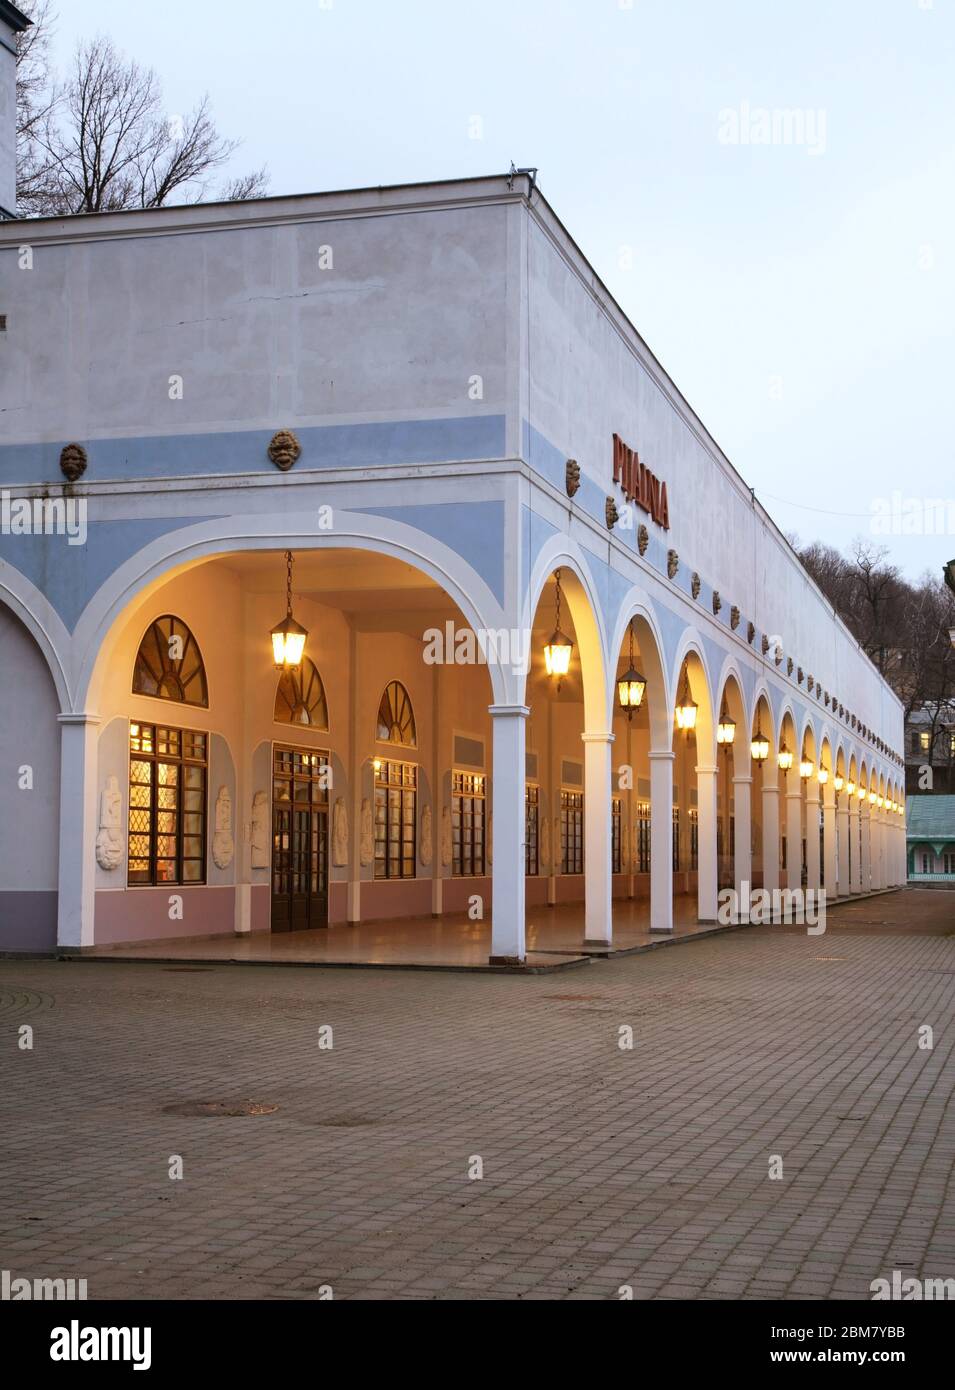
[[396, 717], [300, 698], [169, 664]]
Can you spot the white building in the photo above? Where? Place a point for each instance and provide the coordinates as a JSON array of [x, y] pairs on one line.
[[460, 389]]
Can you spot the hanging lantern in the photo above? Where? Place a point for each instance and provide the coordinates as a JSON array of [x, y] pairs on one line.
[[860, 792], [759, 748], [726, 728], [872, 796], [785, 759], [838, 782], [850, 789], [687, 709], [559, 647], [806, 767], [631, 685], [288, 637], [823, 776]]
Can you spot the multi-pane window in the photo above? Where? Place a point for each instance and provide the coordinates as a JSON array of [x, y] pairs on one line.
[[676, 838], [615, 846], [948, 863], [925, 864], [300, 697], [694, 839], [167, 805], [467, 824], [531, 828], [396, 818], [169, 664], [571, 832], [643, 837], [926, 742]]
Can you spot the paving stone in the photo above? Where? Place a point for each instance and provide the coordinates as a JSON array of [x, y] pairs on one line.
[[601, 1168]]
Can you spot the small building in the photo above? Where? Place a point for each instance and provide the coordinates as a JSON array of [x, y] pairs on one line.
[[930, 836], [557, 652]]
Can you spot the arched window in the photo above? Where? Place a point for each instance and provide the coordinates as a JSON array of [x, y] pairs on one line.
[[169, 664], [300, 697], [396, 717]]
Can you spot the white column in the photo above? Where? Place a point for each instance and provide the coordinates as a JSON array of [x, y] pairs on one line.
[[812, 836], [793, 831], [598, 879], [77, 859], [508, 723], [875, 831], [743, 845], [855, 835], [829, 841], [770, 828], [866, 836], [842, 835], [661, 841], [707, 885]]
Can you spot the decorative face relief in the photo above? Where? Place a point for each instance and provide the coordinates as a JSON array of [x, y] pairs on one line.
[[260, 830], [109, 841], [673, 563], [735, 616], [284, 450], [572, 477], [72, 462], [695, 585], [223, 843], [643, 539]]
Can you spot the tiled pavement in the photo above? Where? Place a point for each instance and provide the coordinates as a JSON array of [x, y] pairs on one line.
[[602, 1167]]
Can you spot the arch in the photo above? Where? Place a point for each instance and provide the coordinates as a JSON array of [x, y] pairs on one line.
[[690, 652], [763, 706], [560, 553], [731, 694], [807, 740], [44, 624], [174, 554], [169, 664], [396, 721], [636, 608], [826, 758], [300, 697]]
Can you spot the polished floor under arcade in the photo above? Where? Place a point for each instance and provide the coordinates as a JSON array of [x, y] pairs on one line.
[[554, 940]]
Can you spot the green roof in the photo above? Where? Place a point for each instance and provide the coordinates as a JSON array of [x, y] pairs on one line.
[[930, 818]]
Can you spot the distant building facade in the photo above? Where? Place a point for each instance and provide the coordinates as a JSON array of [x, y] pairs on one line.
[[930, 836]]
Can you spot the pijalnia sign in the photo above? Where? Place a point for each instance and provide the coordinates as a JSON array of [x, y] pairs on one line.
[[639, 484]]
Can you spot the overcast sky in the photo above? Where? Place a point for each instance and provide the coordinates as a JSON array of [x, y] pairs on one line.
[[800, 294]]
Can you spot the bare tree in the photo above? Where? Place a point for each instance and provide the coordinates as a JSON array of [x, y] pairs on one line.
[[35, 95], [903, 627], [102, 141]]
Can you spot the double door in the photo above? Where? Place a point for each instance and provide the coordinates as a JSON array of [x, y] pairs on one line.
[[299, 839]]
